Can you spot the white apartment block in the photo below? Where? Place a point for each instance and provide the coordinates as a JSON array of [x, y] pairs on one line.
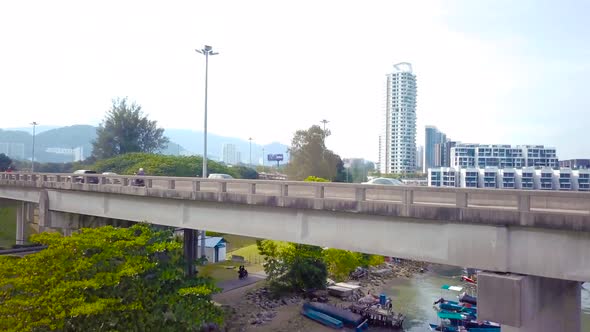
[[526, 178], [503, 156], [443, 177], [76, 153], [229, 154], [397, 150]]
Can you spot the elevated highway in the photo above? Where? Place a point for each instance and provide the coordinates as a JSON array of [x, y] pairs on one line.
[[537, 236]]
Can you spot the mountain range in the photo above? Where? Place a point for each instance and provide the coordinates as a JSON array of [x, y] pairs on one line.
[[54, 144]]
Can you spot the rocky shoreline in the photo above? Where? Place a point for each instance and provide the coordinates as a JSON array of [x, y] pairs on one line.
[[258, 307]]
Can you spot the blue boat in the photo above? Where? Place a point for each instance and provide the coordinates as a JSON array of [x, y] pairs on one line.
[[485, 325], [450, 306], [323, 318], [346, 317], [434, 327]]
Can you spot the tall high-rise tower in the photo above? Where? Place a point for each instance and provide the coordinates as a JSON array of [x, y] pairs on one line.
[[397, 153]]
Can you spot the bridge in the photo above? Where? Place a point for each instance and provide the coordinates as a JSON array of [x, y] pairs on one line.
[[535, 244]]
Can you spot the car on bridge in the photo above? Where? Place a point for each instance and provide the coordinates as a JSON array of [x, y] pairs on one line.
[[220, 176], [385, 181], [80, 179], [112, 180]]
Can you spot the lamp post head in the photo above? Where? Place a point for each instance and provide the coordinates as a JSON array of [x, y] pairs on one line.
[[207, 50]]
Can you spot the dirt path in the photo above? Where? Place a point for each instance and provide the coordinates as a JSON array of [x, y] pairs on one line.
[[229, 285]]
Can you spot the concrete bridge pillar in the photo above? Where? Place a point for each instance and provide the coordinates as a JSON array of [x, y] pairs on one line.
[[21, 220], [524, 303], [190, 250]]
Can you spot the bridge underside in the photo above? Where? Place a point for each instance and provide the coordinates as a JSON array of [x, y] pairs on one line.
[[525, 250]]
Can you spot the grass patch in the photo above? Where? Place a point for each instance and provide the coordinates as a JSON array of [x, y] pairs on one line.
[[219, 271], [7, 227], [236, 242], [250, 254]]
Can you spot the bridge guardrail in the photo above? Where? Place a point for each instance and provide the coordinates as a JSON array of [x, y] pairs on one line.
[[326, 193]]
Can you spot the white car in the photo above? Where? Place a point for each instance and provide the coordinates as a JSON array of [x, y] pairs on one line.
[[112, 181], [385, 181], [220, 176]]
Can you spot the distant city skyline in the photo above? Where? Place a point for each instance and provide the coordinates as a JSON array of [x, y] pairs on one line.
[[491, 72]]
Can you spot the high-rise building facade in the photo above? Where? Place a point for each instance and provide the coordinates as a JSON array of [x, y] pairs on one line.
[[437, 148], [13, 150], [420, 158], [398, 141], [229, 154], [502, 156]]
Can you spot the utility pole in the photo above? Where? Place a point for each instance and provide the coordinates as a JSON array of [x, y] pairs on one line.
[[34, 124], [262, 157]]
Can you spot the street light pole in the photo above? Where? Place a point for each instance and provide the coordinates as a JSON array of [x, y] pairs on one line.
[[250, 139], [33, 157], [324, 121], [207, 51]]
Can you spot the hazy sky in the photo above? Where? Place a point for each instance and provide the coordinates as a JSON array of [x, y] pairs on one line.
[[513, 72]]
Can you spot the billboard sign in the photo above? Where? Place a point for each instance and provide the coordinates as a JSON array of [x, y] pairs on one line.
[[275, 157]]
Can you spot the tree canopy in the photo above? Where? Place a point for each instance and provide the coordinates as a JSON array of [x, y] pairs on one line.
[[5, 162], [104, 279], [292, 266], [126, 129], [310, 157], [162, 165]]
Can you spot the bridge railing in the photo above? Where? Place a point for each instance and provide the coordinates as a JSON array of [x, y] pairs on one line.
[[415, 196]]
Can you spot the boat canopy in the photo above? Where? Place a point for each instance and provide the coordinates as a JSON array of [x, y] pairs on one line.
[[453, 288], [450, 315]]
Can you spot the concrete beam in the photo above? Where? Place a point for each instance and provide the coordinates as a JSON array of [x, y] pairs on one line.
[[494, 248], [528, 303]]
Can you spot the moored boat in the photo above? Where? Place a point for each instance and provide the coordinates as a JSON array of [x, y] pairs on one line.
[[322, 318]]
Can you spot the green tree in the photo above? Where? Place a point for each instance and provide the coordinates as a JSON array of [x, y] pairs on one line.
[[315, 179], [342, 262], [104, 279], [5, 162], [310, 157], [160, 165], [125, 129], [293, 267]]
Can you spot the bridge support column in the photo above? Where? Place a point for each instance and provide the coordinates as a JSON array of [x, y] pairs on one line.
[[529, 303], [203, 232], [21, 217], [190, 251]]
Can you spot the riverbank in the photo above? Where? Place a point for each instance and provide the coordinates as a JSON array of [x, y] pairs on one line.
[[252, 308]]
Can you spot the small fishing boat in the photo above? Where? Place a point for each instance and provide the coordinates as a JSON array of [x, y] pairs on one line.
[[441, 328], [346, 317], [469, 280], [322, 318], [466, 298]]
